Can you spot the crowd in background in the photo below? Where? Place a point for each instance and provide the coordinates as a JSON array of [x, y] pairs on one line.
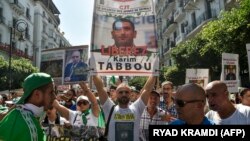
[[125, 106]]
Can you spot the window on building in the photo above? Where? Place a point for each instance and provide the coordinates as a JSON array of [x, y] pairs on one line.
[[14, 22], [27, 35], [44, 15], [49, 20], [182, 28], [193, 18], [1, 12], [26, 51], [28, 13], [43, 43], [44, 27]]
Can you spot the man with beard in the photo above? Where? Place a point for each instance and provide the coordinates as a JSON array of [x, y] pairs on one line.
[[125, 119], [167, 100], [21, 123], [223, 111], [123, 32]]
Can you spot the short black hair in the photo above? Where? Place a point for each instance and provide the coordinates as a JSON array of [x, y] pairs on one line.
[[155, 92], [123, 20], [244, 91], [112, 87]]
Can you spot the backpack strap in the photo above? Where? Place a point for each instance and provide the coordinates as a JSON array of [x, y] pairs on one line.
[[108, 121]]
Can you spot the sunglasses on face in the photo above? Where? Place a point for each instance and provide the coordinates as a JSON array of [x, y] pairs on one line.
[[182, 103], [82, 102], [122, 92]]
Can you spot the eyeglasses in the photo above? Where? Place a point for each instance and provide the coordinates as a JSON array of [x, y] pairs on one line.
[[122, 92], [82, 102], [182, 103]]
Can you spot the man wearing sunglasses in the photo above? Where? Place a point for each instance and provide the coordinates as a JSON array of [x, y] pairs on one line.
[[223, 111], [125, 119], [190, 102], [83, 116]]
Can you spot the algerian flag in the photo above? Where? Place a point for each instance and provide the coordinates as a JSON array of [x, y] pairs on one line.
[[112, 80]]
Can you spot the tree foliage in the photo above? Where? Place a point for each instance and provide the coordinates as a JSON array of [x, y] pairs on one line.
[[229, 34], [21, 68], [174, 75], [138, 82]]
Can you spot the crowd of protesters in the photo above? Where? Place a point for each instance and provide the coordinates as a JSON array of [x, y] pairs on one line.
[[120, 112]]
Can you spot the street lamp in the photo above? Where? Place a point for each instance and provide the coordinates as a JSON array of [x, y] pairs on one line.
[[20, 26]]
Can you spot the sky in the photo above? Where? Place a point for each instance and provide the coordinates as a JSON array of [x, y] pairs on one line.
[[76, 20]]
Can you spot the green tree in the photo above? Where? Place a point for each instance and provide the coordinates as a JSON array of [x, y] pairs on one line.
[[20, 67], [228, 34], [174, 75], [138, 82]]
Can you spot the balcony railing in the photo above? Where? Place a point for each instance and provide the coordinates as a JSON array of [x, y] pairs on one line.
[[15, 51], [179, 14], [170, 26], [180, 38], [168, 7], [17, 6]]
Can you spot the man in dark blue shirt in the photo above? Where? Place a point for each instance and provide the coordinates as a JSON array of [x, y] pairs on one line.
[[76, 70]]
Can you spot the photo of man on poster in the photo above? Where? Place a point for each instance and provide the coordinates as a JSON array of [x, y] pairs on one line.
[[230, 69], [123, 33], [76, 69]]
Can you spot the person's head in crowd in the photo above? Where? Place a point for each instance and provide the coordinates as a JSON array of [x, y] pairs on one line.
[[154, 100], [123, 92], [217, 95], [51, 113], [94, 92], [190, 102], [79, 92], [123, 32], [70, 97], [70, 94], [245, 96], [1, 100], [38, 90], [112, 91], [167, 90], [135, 94], [10, 103], [4, 98], [82, 103], [76, 56]]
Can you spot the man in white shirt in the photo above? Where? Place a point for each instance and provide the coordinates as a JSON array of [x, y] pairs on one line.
[[222, 110], [125, 119]]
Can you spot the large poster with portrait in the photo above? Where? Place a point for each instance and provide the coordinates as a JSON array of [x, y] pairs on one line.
[[66, 65], [52, 63], [230, 71], [76, 68], [197, 76], [124, 38]]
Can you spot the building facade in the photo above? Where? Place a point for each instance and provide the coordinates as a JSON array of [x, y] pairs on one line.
[[180, 20], [40, 18]]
